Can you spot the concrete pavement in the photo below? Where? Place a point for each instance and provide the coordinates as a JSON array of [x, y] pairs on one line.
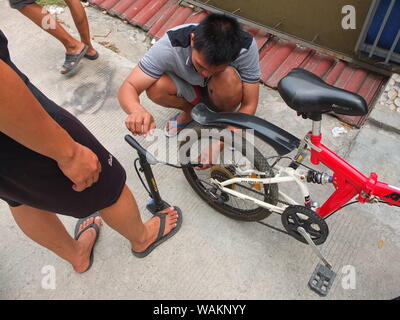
[[212, 257]]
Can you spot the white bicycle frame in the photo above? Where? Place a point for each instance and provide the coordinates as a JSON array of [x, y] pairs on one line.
[[285, 174]]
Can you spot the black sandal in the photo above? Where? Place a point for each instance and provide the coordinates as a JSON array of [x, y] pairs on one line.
[[72, 60], [93, 57], [78, 233]]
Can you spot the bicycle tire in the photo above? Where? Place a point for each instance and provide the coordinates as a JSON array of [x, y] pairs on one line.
[[260, 163]]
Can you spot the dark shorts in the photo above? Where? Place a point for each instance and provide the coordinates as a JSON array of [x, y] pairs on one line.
[[191, 93], [29, 178], [19, 4]]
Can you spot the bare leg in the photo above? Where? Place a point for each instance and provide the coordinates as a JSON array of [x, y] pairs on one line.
[[226, 100], [164, 93], [47, 230], [45, 21], [124, 217], [81, 22]]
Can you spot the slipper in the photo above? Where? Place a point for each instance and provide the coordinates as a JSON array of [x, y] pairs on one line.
[[160, 237], [175, 125], [78, 233], [93, 57], [76, 58]]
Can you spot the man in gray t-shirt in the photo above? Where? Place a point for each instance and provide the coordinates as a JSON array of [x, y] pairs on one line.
[[215, 61]]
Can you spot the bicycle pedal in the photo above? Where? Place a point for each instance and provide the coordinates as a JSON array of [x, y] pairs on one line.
[[322, 279]]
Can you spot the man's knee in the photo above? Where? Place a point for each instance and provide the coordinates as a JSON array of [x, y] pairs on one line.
[[163, 87], [226, 89]]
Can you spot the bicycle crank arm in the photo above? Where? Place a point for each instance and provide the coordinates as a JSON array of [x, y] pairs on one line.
[[307, 237], [322, 279]]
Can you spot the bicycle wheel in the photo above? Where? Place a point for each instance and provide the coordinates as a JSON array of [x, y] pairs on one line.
[[244, 156]]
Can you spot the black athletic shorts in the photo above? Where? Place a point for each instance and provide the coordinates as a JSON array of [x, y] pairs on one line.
[[29, 178]]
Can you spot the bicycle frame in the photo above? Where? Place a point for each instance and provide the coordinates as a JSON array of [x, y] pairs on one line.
[[347, 180]]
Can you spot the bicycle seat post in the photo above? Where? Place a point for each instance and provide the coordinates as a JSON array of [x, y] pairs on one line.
[[316, 128], [315, 138]]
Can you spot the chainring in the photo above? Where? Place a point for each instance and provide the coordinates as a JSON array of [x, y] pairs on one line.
[[299, 216]]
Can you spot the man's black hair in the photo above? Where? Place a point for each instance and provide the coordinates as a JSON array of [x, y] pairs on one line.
[[217, 37]]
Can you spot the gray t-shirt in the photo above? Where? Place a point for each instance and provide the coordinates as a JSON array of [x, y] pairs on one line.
[[173, 53]]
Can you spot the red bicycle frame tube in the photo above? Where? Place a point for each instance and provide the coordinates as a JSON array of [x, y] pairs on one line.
[[348, 181]]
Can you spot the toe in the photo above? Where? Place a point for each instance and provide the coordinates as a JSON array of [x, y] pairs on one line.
[[86, 223], [168, 210]]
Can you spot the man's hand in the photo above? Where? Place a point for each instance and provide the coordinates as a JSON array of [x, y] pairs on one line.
[[83, 168], [24, 120], [140, 121]]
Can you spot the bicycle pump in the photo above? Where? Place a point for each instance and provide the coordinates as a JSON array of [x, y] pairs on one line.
[[146, 159]]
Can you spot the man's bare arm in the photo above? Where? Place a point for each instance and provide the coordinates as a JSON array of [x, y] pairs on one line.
[[132, 88], [23, 119], [250, 98], [139, 120]]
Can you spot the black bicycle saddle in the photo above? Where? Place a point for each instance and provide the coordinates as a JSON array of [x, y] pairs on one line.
[[306, 93]]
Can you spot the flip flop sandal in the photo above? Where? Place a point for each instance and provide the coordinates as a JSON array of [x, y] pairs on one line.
[[175, 125], [78, 233], [93, 57], [160, 238], [72, 60]]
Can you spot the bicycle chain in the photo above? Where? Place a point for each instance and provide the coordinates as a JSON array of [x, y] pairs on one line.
[[283, 202]]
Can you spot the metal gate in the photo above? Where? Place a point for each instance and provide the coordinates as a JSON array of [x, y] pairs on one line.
[[380, 35]]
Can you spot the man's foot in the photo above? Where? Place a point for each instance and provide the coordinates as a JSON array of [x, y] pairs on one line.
[[85, 243], [153, 226], [73, 56], [91, 54], [177, 123], [75, 48]]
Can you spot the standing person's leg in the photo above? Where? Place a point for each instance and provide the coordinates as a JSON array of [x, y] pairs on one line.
[[44, 20], [47, 230], [124, 217], [75, 49], [82, 24]]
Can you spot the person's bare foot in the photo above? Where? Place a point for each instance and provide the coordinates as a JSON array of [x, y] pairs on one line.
[[85, 245], [173, 127], [153, 226]]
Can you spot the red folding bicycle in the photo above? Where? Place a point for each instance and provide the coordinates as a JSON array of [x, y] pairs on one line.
[[249, 190]]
